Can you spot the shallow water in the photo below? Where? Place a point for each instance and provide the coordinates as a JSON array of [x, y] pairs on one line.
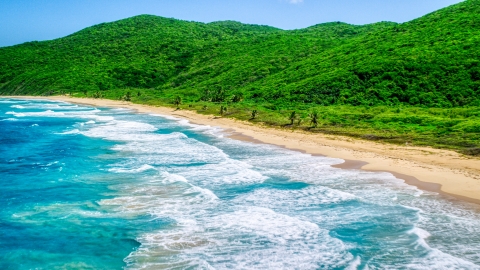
[[85, 187]]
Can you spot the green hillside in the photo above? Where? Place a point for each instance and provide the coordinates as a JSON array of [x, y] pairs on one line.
[[149, 51], [417, 82], [143, 51]]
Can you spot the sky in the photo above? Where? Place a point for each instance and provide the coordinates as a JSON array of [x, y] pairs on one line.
[[28, 20]]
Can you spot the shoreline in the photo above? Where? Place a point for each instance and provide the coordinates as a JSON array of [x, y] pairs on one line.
[[358, 165], [442, 171]]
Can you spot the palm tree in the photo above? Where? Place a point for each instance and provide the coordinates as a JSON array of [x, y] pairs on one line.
[[254, 114], [292, 117], [127, 96], [178, 101], [314, 118], [223, 109]]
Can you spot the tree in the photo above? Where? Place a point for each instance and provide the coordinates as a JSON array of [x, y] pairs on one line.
[[237, 97], [128, 96], [292, 117], [314, 118], [223, 110], [254, 114], [177, 101]]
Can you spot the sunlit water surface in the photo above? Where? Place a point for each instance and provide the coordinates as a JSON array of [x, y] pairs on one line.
[[84, 187]]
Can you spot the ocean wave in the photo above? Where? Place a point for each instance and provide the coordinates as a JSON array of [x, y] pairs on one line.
[[48, 113], [422, 235], [247, 238], [295, 199], [169, 196], [223, 171], [215, 131], [143, 168], [118, 130], [11, 101], [70, 132], [436, 259]]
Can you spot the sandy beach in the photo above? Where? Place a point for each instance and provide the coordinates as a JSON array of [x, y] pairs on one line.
[[442, 171]]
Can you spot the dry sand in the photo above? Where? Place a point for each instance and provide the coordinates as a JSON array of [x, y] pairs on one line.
[[443, 171]]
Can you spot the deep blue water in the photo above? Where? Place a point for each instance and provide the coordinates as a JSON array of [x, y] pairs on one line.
[[100, 188]]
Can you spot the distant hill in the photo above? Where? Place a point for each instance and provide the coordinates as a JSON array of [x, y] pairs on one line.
[[432, 61]]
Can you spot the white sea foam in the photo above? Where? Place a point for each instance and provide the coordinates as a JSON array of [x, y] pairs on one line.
[[272, 241], [174, 148], [11, 101], [48, 113], [52, 163], [53, 106], [435, 259], [225, 171], [265, 222], [355, 264], [422, 235], [143, 168], [84, 113], [15, 114], [17, 106], [215, 131], [291, 199], [121, 110], [9, 119], [119, 130], [70, 132], [98, 118]]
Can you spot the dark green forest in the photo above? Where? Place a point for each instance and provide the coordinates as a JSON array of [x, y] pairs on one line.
[[416, 82]]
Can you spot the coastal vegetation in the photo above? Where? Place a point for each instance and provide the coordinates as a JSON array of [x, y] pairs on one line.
[[416, 83]]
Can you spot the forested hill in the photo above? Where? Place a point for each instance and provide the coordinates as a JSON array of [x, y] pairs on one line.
[[432, 61]]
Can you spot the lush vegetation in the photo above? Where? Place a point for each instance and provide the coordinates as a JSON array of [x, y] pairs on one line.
[[417, 82]]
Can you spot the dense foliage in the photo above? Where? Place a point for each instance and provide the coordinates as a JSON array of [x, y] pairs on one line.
[[431, 62]]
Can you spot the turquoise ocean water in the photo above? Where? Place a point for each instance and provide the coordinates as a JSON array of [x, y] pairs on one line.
[[102, 188]]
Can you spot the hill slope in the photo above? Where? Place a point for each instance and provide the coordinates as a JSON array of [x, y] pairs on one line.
[[431, 61], [149, 51], [142, 51]]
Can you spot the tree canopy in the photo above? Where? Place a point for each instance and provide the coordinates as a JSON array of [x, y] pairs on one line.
[[433, 61]]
